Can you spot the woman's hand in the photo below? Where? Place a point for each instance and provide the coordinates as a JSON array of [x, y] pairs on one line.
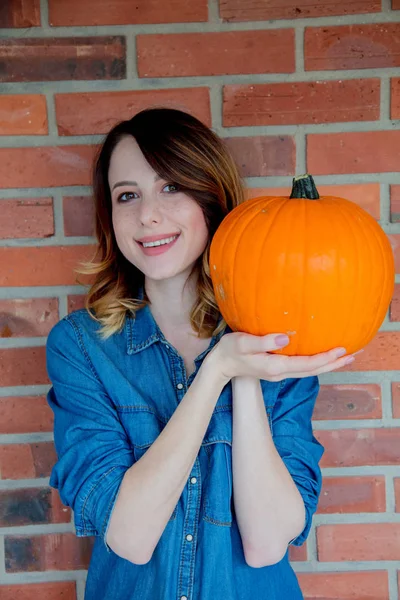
[[243, 354]]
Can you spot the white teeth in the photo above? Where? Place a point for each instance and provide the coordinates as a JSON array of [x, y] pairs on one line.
[[160, 242]]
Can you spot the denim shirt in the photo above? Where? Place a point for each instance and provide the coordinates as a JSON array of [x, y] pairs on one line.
[[111, 399]]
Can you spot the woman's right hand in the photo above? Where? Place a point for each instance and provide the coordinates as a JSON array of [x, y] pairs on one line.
[[242, 354]]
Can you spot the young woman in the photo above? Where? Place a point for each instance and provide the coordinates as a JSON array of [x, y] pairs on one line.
[[186, 448]]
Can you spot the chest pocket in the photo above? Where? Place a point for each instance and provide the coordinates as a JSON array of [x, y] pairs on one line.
[[142, 427]]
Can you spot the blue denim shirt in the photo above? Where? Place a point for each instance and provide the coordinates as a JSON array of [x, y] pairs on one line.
[[111, 399]]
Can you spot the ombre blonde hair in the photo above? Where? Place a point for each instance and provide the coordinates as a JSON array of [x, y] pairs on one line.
[[181, 150]]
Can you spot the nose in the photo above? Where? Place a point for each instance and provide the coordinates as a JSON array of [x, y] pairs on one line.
[[149, 210]]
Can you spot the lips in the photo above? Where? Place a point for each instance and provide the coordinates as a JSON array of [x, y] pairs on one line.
[[156, 238]]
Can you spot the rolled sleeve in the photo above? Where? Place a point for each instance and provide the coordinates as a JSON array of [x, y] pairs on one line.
[[296, 444], [93, 450]]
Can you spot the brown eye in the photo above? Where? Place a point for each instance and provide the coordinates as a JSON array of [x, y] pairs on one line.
[[172, 185], [122, 199]]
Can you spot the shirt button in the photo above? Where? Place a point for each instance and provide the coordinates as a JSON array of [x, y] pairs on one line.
[[180, 386], [184, 598], [193, 480], [189, 537]]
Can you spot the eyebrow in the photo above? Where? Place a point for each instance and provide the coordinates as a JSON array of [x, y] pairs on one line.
[[122, 183]]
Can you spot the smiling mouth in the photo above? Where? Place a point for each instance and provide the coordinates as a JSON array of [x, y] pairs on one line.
[[162, 242]]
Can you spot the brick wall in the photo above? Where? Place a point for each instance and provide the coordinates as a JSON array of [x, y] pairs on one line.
[[293, 86]]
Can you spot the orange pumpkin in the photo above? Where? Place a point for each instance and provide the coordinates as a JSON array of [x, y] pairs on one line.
[[318, 268]]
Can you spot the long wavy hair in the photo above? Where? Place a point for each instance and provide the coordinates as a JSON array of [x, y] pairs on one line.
[[181, 150]]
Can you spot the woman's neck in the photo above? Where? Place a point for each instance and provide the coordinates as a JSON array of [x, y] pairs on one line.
[[171, 301]]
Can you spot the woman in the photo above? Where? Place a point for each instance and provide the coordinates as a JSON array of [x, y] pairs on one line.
[[187, 449]]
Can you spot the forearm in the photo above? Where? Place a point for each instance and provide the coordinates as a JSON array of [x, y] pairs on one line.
[[269, 508], [152, 487]]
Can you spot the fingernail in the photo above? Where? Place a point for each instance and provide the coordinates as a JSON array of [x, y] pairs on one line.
[[281, 340], [340, 352], [349, 360]]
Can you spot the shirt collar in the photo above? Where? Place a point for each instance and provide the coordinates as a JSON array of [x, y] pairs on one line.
[[143, 331]]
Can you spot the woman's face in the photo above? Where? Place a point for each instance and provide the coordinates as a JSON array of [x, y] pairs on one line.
[[159, 229]]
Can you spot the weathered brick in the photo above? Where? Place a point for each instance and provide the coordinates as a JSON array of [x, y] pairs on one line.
[[259, 156], [254, 10], [23, 114], [51, 552], [46, 265], [360, 585], [395, 98], [23, 366], [75, 12], [27, 461], [79, 216], [354, 494], [395, 203], [395, 304], [57, 59], [381, 354], [366, 195], [396, 4], [397, 493], [221, 53], [298, 553], [32, 506], [303, 102], [25, 414], [55, 590], [26, 218], [20, 13], [76, 302], [370, 46], [98, 112], [46, 166], [348, 401], [396, 399], [353, 152], [359, 447], [394, 239], [27, 317], [358, 541]]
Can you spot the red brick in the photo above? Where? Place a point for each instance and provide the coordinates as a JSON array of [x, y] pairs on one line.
[[353, 152], [395, 304], [298, 553], [396, 4], [52, 552], [23, 114], [371, 46], [397, 492], [46, 265], [35, 506], [352, 495], [23, 366], [359, 447], [395, 98], [17, 13], [259, 156], [27, 461], [79, 215], [366, 195], [381, 354], [25, 414], [64, 58], [63, 590], [395, 203], [91, 12], [254, 10], [396, 399], [26, 218], [394, 239], [30, 317], [76, 302], [222, 53], [348, 401], [362, 541], [361, 585], [304, 102], [46, 166], [98, 112]]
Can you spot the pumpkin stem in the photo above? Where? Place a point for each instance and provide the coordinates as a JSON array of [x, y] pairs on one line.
[[304, 187]]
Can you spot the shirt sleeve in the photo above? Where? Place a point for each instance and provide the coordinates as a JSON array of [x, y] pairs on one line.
[[296, 444], [93, 450]]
